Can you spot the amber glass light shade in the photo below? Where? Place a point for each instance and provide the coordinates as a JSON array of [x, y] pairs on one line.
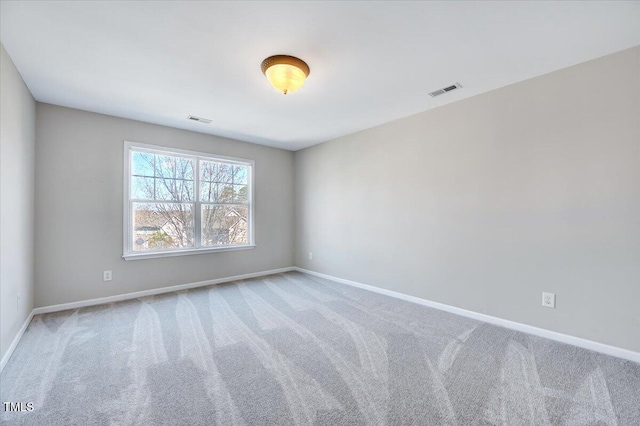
[[285, 73]]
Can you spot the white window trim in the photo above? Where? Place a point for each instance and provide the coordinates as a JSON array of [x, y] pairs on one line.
[[127, 250]]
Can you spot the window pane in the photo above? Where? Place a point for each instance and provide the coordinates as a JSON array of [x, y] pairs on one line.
[[184, 168], [224, 225], [142, 164], [240, 174], [142, 188], [213, 192], [211, 171], [222, 193], [174, 190], [207, 192], [158, 226], [173, 167], [225, 173], [225, 193], [240, 193], [207, 171]]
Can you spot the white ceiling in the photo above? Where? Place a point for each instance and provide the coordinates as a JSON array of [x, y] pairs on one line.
[[371, 62]]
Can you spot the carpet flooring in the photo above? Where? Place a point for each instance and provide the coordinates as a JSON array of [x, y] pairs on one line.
[[291, 349]]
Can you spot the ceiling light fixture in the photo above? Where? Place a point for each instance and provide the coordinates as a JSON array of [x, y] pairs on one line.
[[285, 73]]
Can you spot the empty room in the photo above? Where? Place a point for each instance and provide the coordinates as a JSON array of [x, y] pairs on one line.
[[320, 213]]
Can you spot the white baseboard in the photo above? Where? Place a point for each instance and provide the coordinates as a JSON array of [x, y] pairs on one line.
[[529, 329], [155, 291], [16, 339]]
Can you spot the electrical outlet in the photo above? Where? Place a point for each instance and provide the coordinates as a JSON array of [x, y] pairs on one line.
[[548, 300], [310, 256], [106, 276]]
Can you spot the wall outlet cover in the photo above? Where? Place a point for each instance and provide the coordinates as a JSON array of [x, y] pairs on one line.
[[548, 300]]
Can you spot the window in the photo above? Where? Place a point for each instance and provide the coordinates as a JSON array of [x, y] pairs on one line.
[[181, 202]]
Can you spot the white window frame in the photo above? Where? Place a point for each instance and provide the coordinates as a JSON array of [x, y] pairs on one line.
[[127, 243]]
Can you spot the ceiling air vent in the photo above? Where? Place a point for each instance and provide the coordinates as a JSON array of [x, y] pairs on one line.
[[199, 120], [445, 90]]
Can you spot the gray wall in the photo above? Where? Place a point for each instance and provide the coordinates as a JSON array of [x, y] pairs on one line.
[[486, 203], [79, 208], [17, 138]]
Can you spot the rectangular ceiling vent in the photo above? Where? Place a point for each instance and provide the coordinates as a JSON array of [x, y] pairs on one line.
[[445, 90], [199, 120]]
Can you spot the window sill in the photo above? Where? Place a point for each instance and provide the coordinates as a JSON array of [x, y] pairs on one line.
[[140, 256]]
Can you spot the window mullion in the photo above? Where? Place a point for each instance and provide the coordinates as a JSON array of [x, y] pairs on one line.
[[155, 157], [197, 214], [130, 215]]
